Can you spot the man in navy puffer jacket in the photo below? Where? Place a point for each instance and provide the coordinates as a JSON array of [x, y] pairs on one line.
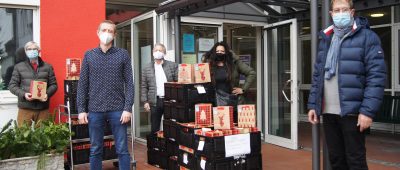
[[348, 85]]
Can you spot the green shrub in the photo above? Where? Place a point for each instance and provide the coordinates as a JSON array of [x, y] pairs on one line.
[[43, 137]]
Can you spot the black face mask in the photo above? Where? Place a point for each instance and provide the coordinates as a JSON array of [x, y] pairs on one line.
[[220, 57]]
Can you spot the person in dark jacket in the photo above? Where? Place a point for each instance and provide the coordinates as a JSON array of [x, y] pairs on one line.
[[154, 75], [24, 72], [225, 69], [347, 86]]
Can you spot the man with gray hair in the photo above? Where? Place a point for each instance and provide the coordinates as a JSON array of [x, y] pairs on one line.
[[24, 73], [154, 75], [348, 85]]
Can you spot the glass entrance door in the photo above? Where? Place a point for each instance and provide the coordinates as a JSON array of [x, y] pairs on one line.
[[281, 98], [137, 36]]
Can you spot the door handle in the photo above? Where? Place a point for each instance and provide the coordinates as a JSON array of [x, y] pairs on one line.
[[283, 90]]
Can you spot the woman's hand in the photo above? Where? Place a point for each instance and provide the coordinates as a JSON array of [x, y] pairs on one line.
[[237, 91]]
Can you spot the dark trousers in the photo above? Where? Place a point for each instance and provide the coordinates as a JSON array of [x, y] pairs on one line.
[[346, 144], [156, 114]]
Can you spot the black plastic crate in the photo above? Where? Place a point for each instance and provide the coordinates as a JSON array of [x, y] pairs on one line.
[[173, 163], [187, 94], [81, 131], [186, 135], [185, 114], [70, 87], [214, 147], [180, 113], [222, 163], [72, 103], [255, 142], [107, 128], [254, 162], [157, 158], [171, 129], [246, 162], [172, 147], [80, 153], [168, 109], [186, 159], [155, 142], [167, 90], [109, 151]]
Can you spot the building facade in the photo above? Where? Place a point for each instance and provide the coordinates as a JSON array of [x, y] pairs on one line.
[[273, 38]]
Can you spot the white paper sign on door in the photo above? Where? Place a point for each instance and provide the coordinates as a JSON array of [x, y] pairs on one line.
[[237, 145]]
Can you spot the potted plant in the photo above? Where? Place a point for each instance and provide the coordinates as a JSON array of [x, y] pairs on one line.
[[39, 146]]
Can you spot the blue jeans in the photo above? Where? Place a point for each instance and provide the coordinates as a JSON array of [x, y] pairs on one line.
[[96, 132]]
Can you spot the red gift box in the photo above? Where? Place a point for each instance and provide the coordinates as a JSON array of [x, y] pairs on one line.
[[246, 116], [202, 73], [73, 68], [223, 117], [203, 114]]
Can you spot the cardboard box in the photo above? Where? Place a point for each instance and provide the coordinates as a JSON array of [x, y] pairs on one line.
[[246, 116], [203, 114], [223, 117], [185, 73], [38, 89], [202, 73]]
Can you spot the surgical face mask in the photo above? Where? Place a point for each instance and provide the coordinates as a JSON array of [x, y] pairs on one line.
[[342, 20], [32, 54], [158, 55], [220, 57], [105, 37]]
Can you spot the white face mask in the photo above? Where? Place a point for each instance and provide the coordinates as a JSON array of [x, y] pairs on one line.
[[158, 55], [105, 37]]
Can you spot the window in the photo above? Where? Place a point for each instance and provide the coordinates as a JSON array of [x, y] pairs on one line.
[[398, 64], [396, 14], [16, 28], [196, 40], [377, 16]]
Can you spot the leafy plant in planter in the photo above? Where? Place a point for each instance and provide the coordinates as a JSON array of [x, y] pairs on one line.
[[44, 137]]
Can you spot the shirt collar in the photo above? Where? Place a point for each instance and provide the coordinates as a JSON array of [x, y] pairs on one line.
[[111, 50], [162, 62]]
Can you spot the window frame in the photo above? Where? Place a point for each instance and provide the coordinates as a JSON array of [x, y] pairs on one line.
[[5, 95]]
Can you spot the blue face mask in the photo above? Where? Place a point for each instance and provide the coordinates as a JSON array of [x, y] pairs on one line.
[[32, 54], [342, 20]]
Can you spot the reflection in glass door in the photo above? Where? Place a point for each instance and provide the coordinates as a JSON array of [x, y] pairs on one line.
[[282, 91], [142, 47]]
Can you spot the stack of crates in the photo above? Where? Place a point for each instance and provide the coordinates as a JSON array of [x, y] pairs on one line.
[[180, 100], [179, 110], [156, 150], [179, 103], [70, 91], [81, 146], [182, 148]]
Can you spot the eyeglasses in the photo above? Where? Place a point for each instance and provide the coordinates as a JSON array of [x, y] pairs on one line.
[[31, 49], [341, 10]]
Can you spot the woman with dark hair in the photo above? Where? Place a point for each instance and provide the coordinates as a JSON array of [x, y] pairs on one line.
[[225, 68]]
